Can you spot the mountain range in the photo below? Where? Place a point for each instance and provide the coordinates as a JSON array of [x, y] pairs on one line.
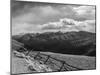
[[76, 43]]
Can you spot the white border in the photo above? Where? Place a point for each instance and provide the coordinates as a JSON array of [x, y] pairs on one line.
[[5, 37]]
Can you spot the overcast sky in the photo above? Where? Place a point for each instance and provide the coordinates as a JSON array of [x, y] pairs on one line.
[[41, 17]]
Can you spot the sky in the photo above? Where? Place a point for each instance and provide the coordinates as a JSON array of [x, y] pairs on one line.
[[37, 17]]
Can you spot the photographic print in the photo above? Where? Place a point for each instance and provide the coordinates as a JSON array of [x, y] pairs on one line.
[[52, 37]]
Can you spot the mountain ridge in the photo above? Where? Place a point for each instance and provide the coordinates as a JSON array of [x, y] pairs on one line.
[[78, 43]]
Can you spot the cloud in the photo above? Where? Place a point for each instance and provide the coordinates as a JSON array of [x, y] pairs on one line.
[[39, 17], [24, 28], [88, 25], [49, 13], [42, 14], [70, 25], [63, 23], [81, 10], [85, 12]]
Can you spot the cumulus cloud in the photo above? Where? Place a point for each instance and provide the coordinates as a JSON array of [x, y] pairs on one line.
[[63, 23], [37, 17], [70, 25]]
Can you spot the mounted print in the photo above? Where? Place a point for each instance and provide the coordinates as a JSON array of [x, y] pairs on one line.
[[52, 37]]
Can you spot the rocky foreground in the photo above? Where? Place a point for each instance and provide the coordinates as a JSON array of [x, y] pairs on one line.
[[22, 63], [25, 64]]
